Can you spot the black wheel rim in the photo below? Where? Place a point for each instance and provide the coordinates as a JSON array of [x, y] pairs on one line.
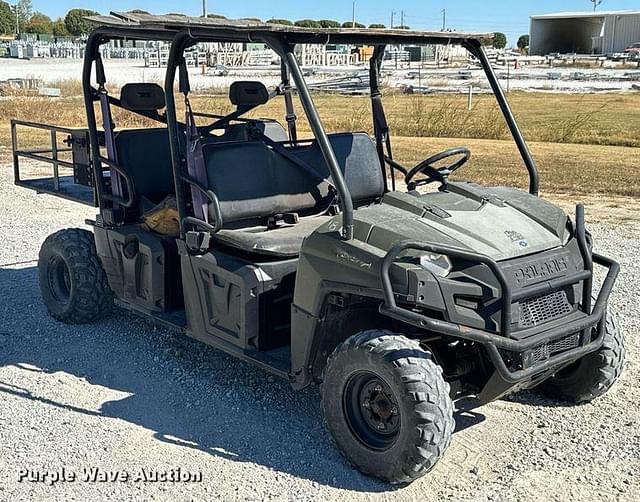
[[371, 410], [59, 280]]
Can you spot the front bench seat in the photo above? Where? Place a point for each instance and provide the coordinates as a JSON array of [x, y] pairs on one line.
[[253, 181]]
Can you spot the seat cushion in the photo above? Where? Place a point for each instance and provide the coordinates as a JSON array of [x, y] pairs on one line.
[[282, 242]]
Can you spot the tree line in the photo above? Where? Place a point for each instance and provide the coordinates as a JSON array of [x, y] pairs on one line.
[[499, 40], [327, 23], [30, 21]]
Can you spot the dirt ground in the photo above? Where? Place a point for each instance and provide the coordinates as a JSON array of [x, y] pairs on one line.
[[123, 395]]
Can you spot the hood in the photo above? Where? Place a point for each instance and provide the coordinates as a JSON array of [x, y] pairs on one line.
[[500, 223]]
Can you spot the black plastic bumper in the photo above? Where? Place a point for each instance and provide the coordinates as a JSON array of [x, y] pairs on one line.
[[494, 342]]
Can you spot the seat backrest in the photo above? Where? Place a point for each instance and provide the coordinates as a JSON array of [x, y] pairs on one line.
[[251, 180], [358, 159], [146, 156]]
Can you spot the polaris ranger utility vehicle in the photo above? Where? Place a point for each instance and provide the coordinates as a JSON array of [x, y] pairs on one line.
[[300, 256]]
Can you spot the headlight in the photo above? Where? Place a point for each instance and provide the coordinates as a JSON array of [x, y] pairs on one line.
[[437, 264]]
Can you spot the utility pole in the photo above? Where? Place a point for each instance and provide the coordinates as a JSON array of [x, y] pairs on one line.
[[17, 18], [444, 19], [392, 16], [353, 22], [204, 8], [401, 18]]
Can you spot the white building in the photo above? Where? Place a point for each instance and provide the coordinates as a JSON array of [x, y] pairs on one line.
[[584, 32]]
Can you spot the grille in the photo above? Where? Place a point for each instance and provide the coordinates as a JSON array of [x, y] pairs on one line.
[[541, 309], [543, 352]]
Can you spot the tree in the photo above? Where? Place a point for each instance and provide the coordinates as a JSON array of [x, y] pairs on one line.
[[499, 40], [75, 22], [216, 16], [377, 26], [285, 22], [39, 23], [59, 29], [7, 19], [307, 23], [25, 11], [349, 24], [328, 23], [523, 42], [402, 27]]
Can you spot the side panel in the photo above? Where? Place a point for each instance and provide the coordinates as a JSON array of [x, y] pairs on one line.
[[223, 299], [141, 267], [220, 302]]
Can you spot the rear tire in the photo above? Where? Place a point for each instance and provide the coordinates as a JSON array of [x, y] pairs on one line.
[[594, 374], [73, 283], [387, 406]]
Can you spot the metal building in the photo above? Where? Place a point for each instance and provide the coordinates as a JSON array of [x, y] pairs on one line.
[[584, 32]]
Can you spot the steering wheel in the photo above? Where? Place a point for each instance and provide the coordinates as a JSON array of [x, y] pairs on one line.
[[439, 174]]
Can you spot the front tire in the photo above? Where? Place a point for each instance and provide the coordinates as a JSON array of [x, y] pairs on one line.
[[387, 406], [594, 374], [73, 283]]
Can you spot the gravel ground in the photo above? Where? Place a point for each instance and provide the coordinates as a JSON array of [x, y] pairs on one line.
[[122, 395]]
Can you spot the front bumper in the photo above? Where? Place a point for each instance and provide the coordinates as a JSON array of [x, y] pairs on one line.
[[497, 344]]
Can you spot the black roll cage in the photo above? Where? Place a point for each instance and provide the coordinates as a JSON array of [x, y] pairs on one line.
[[283, 43]]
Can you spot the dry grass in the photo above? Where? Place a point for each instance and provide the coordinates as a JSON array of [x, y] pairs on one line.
[[564, 168], [601, 119], [581, 142]]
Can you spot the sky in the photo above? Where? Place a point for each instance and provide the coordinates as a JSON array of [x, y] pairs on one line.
[[508, 16]]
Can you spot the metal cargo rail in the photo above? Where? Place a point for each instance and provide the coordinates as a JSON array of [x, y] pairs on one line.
[[77, 186]]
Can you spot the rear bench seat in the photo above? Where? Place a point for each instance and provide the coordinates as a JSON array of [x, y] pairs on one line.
[[146, 156]]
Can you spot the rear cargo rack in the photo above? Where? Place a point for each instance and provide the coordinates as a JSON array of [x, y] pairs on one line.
[[71, 168]]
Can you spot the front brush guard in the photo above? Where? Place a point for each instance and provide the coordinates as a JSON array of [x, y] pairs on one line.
[[494, 342]]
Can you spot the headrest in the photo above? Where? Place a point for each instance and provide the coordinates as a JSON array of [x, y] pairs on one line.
[[244, 93], [142, 97]]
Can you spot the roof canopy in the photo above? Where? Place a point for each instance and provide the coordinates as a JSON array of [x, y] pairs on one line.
[[243, 30]]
